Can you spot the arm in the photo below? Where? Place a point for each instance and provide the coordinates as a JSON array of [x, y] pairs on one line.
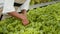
[[8, 6], [9, 9], [24, 7]]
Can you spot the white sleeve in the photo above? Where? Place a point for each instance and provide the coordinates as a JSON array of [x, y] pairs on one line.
[[24, 6], [8, 6]]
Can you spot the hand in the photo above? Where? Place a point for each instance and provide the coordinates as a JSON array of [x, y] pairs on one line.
[[20, 16], [25, 20], [24, 11]]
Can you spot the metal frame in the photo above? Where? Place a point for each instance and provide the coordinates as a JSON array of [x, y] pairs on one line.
[[43, 4]]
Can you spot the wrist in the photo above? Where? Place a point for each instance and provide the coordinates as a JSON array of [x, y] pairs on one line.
[[24, 10]]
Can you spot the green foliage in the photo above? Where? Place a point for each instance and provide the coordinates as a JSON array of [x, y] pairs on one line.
[[39, 1], [44, 20]]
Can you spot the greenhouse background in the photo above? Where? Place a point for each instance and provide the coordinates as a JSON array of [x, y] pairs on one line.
[[43, 16]]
